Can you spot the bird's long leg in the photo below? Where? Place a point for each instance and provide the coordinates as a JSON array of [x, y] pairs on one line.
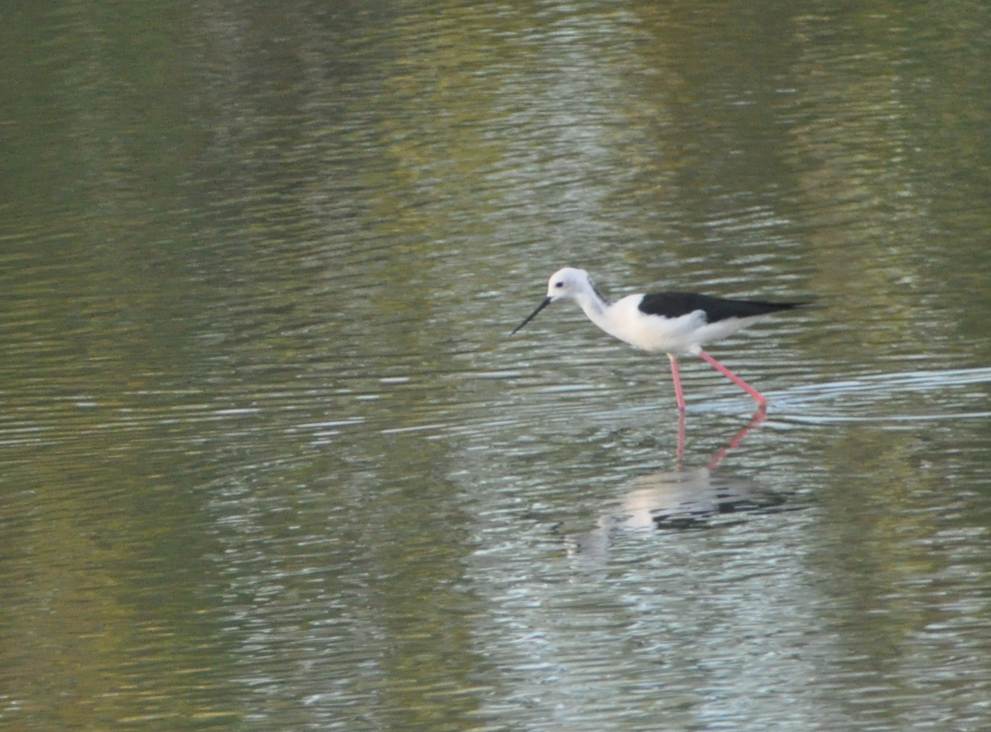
[[758, 397], [678, 394]]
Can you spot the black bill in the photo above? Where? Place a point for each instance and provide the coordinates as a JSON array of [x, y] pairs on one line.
[[533, 315]]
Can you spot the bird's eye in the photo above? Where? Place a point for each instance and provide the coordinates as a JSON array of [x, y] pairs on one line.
[[558, 284]]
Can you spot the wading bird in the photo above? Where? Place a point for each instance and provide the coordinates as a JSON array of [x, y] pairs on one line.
[[664, 322]]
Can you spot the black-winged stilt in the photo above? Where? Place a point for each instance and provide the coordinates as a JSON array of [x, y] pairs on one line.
[[664, 322]]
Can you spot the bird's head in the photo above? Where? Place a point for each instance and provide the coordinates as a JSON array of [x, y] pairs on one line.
[[567, 283]]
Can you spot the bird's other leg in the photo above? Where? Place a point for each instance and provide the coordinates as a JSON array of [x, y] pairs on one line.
[[678, 394], [758, 397]]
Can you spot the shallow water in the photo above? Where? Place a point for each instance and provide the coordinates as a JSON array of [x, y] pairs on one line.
[[271, 460]]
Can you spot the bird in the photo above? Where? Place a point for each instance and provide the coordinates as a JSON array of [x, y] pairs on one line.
[[673, 323]]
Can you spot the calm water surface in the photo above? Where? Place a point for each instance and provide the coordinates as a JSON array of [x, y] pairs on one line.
[[269, 459]]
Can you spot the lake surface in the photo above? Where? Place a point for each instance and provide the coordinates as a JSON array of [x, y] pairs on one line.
[[270, 460]]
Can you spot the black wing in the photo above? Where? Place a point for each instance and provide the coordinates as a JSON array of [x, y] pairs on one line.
[[676, 304]]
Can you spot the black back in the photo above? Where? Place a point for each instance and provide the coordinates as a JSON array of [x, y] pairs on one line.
[[675, 304]]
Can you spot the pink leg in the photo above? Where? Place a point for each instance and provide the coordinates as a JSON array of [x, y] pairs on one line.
[[678, 394], [758, 397]]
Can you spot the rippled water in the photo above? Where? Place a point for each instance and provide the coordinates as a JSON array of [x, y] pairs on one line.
[[269, 458]]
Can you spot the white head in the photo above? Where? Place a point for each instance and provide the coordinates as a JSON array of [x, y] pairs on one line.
[[568, 283]]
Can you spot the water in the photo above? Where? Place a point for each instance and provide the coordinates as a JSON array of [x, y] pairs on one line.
[[269, 459]]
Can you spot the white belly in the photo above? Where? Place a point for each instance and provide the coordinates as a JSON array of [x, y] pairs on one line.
[[658, 334]]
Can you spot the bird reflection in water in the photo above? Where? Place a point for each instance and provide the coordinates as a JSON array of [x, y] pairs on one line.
[[678, 500]]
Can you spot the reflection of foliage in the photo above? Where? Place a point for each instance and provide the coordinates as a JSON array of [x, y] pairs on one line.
[[263, 241]]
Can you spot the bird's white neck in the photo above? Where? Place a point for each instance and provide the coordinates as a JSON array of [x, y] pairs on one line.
[[594, 305]]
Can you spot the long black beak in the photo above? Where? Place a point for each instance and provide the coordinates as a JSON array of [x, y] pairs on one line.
[[533, 315]]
